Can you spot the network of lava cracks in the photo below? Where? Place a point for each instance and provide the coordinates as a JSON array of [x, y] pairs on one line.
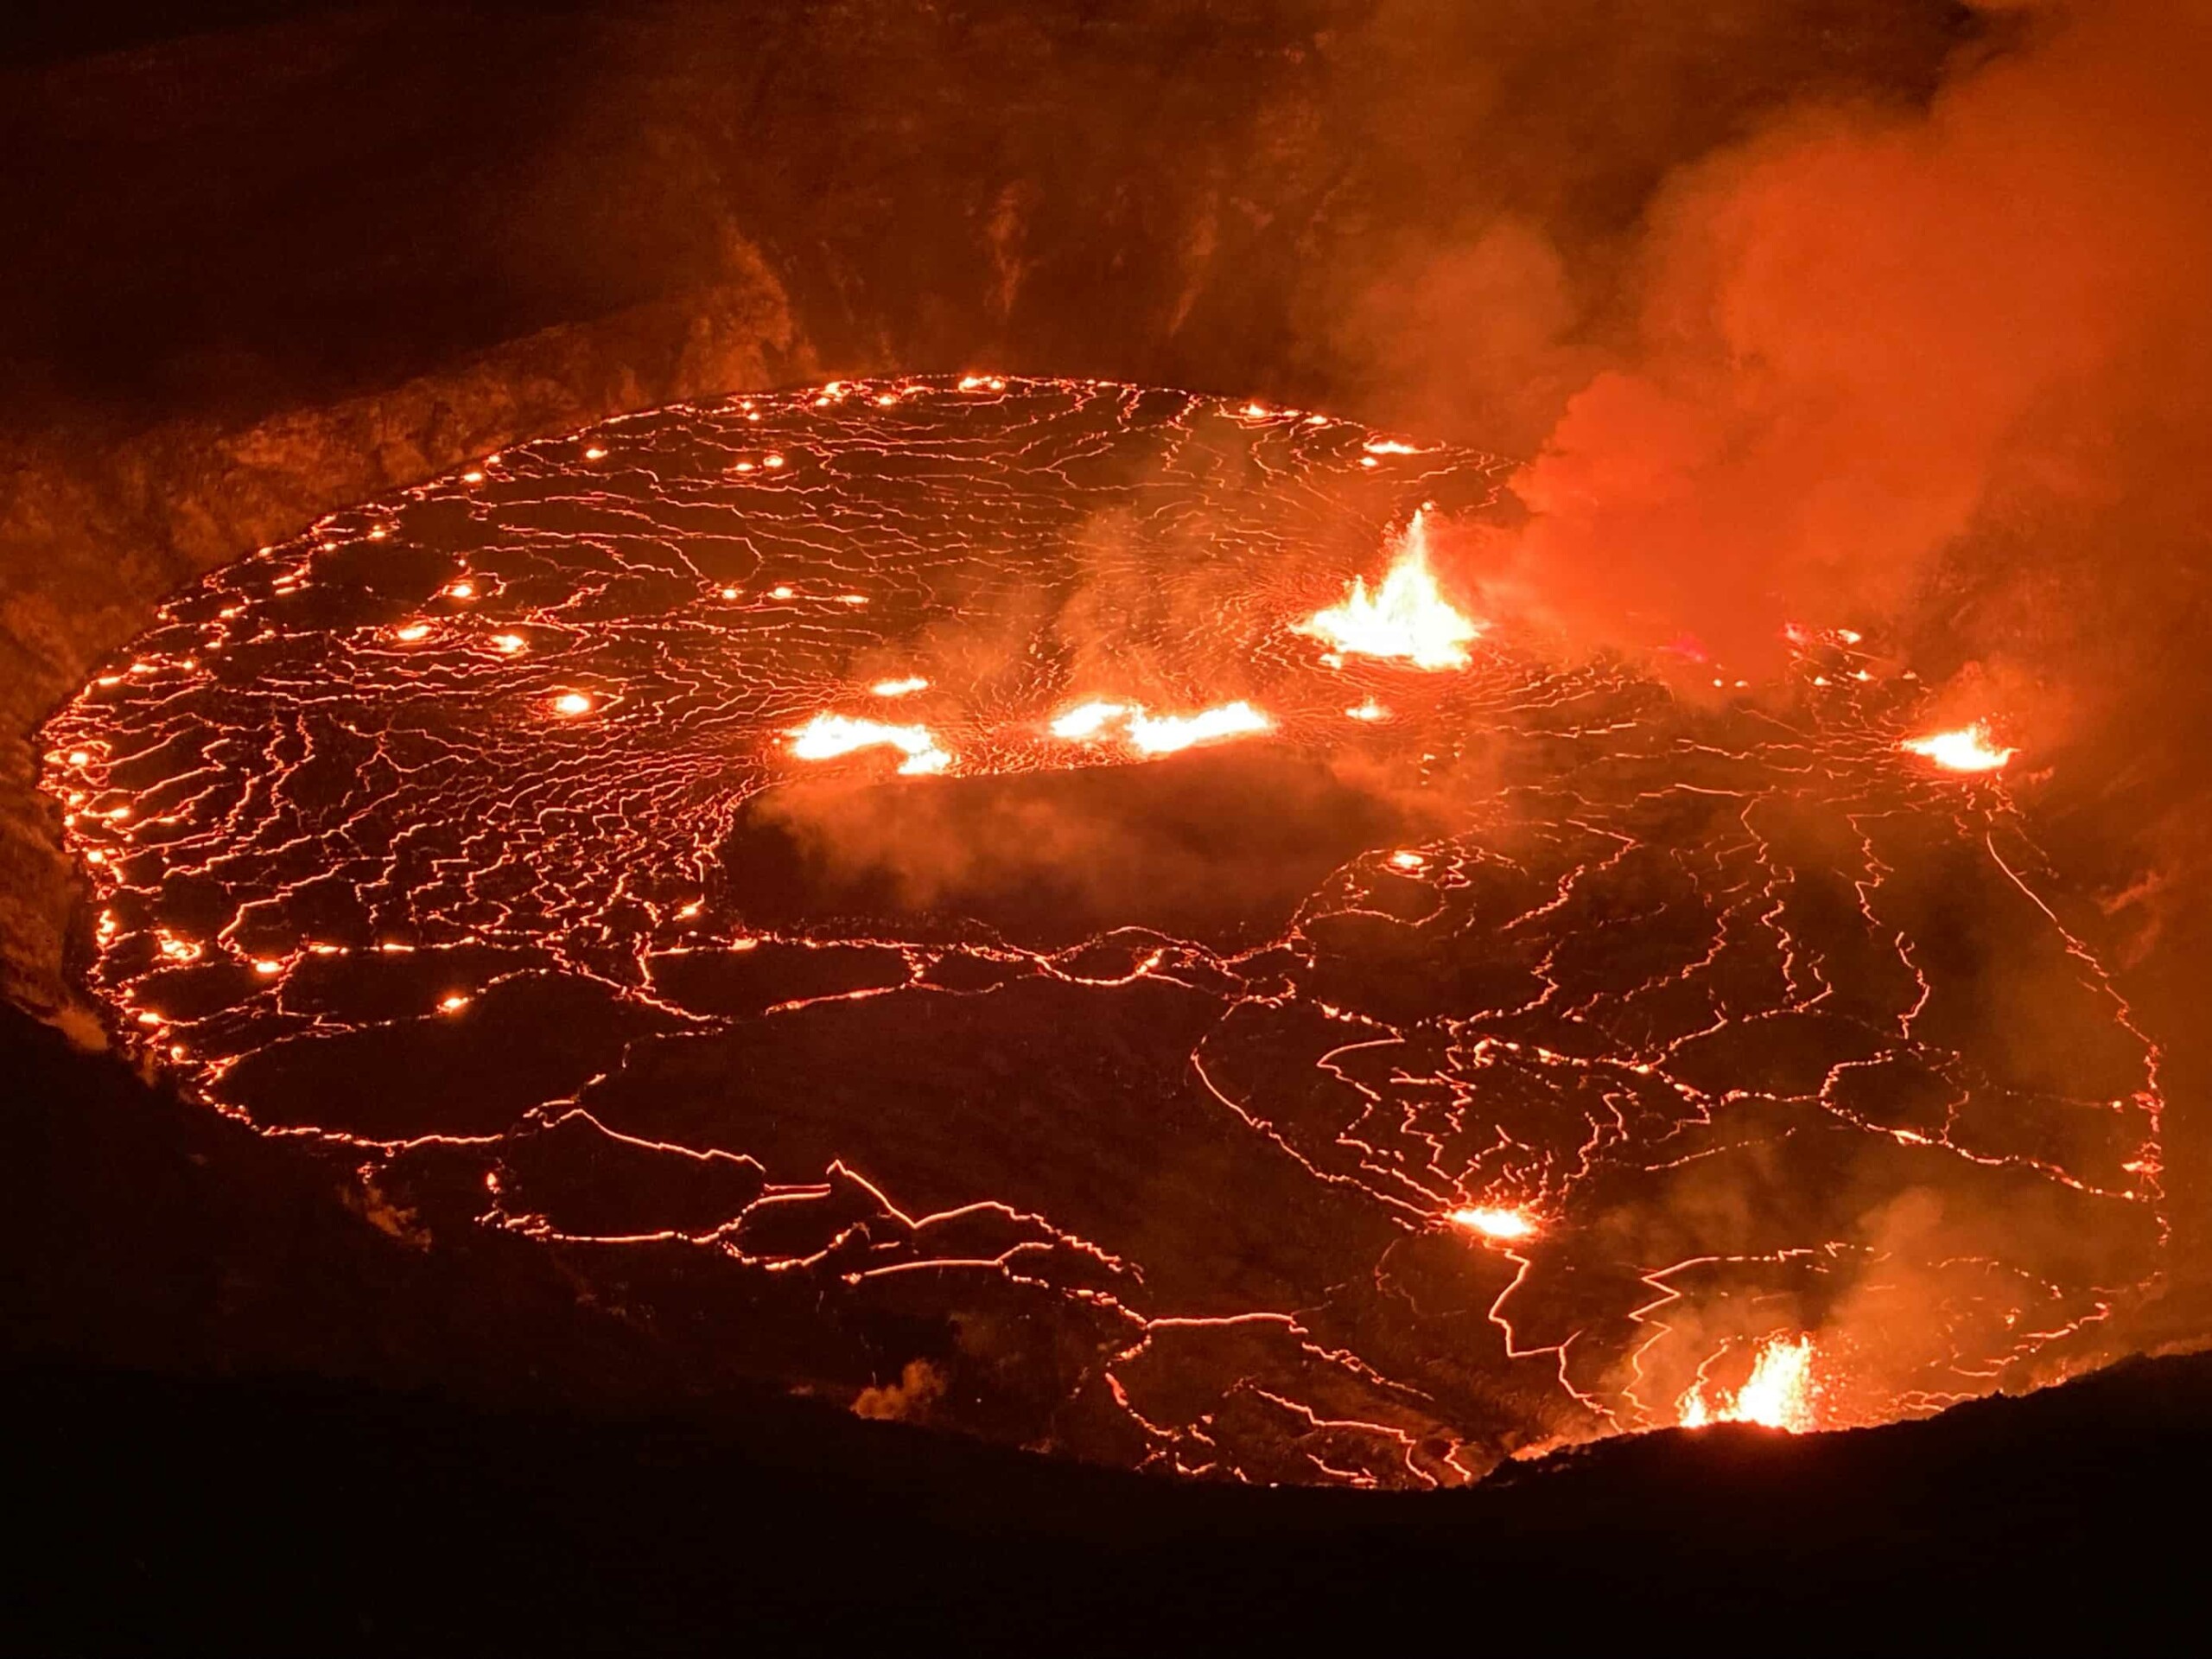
[[1630, 1064]]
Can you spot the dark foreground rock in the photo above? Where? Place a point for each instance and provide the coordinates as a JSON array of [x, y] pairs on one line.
[[174, 1515]]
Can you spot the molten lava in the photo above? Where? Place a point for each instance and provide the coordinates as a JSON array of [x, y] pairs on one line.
[[1090, 720], [1429, 1070], [1167, 733], [827, 737], [1148, 733], [1492, 1222], [1406, 618], [1780, 1393], [1969, 748]]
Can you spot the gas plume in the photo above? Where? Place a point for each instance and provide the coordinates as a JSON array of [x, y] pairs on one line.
[[1937, 372], [1870, 343]]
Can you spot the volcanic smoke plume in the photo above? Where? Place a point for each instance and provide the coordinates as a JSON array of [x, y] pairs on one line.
[[1940, 372], [1043, 907], [1871, 340]]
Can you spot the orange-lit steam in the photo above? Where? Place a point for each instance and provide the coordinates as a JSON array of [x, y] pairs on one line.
[[1863, 332]]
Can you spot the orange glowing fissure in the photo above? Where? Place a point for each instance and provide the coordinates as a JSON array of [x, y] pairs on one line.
[[1447, 1070]]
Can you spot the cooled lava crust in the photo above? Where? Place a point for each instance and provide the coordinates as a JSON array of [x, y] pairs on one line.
[[1461, 1062]]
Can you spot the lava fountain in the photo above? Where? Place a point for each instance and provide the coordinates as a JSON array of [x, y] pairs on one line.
[[1177, 1046], [1406, 617], [1780, 1392]]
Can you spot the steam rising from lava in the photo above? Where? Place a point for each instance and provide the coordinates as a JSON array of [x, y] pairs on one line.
[[1864, 335]]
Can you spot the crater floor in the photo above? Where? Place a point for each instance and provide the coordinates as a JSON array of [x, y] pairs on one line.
[[657, 841]]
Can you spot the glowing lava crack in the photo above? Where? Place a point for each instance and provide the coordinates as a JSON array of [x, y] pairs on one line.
[[959, 893]]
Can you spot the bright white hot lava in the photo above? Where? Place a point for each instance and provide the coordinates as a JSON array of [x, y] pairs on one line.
[[1406, 617], [827, 737], [1969, 748]]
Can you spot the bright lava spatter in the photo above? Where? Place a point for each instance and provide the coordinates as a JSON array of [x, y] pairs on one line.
[[1423, 1066]]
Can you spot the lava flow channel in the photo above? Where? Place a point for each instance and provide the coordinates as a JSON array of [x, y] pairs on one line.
[[1031, 904]]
